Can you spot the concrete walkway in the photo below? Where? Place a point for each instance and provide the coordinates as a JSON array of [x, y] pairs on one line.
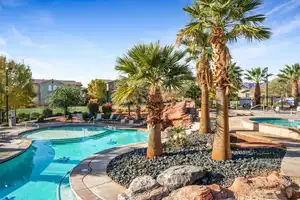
[[290, 164], [11, 144]]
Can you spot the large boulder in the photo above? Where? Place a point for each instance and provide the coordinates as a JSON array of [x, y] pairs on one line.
[[192, 192], [180, 176], [144, 188], [269, 187], [176, 114]]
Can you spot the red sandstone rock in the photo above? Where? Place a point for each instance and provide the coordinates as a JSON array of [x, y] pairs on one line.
[[219, 192], [192, 192]]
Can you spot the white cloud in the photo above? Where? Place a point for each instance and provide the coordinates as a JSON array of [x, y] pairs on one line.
[[285, 7], [25, 40], [287, 27]]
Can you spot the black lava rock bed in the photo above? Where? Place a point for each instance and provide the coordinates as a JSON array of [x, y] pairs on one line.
[[246, 162]]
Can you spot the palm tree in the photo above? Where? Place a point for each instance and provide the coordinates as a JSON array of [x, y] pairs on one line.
[[225, 20], [129, 91], [235, 74], [257, 75], [200, 51], [292, 74], [160, 68]]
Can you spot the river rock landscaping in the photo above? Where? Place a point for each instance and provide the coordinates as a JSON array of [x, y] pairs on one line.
[[197, 152]]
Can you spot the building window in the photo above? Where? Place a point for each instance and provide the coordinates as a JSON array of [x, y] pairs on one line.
[[49, 88], [247, 95], [54, 87]]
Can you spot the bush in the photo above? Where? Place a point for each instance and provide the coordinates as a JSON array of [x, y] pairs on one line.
[[177, 136], [107, 108], [22, 115], [106, 115], [85, 116], [4, 124], [41, 118], [59, 114], [35, 115], [93, 108], [48, 112]]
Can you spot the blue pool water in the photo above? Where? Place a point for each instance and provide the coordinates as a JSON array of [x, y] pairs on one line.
[[37, 173], [278, 121]]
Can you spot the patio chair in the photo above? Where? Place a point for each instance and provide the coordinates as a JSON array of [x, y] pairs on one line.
[[277, 109], [131, 122], [109, 119], [79, 116], [114, 120], [98, 117]]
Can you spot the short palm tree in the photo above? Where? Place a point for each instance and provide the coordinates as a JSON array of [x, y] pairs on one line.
[[160, 68], [128, 91], [226, 20], [200, 51], [292, 74], [257, 75]]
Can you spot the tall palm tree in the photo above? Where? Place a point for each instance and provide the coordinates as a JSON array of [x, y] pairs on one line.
[[130, 91], [160, 68], [292, 74], [200, 51], [257, 75], [226, 20]]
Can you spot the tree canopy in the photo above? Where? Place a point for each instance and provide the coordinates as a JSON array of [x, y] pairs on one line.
[[97, 89], [20, 85], [65, 96]]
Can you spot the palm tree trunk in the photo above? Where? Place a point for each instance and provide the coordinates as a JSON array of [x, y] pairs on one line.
[[295, 92], [221, 147], [138, 112], [204, 120], [257, 94], [155, 107]]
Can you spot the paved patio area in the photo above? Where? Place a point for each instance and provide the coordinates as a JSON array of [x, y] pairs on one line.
[[11, 144]]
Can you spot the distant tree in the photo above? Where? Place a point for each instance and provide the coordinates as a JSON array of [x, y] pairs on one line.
[[235, 74], [130, 91], [193, 92], [257, 75], [97, 89], [292, 74], [20, 83], [64, 97]]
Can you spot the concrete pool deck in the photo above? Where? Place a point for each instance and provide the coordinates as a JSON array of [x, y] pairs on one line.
[[11, 144]]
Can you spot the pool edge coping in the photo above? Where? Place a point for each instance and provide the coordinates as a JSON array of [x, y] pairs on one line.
[[80, 188]]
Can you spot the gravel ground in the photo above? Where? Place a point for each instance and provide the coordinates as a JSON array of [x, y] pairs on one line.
[[246, 162]]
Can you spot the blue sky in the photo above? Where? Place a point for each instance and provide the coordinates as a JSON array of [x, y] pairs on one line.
[[80, 40]]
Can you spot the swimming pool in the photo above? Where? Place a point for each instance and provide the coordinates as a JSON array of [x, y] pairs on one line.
[[41, 171], [278, 121]]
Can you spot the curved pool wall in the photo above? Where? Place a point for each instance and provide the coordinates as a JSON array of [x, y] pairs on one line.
[[273, 126], [41, 171]]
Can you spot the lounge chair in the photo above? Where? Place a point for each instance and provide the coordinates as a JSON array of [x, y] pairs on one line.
[[98, 117], [109, 119], [118, 118], [131, 122]]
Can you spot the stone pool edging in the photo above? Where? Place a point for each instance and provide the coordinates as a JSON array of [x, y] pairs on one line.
[[271, 128], [89, 179]]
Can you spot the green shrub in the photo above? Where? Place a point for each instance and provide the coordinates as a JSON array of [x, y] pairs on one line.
[[106, 115], [22, 115], [26, 119], [85, 116], [4, 124], [35, 115], [107, 108], [59, 114], [176, 136], [48, 112], [41, 118], [93, 108]]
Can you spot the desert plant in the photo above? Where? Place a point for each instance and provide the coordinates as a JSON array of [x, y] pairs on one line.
[[41, 118], [47, 112], [177, 136]]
